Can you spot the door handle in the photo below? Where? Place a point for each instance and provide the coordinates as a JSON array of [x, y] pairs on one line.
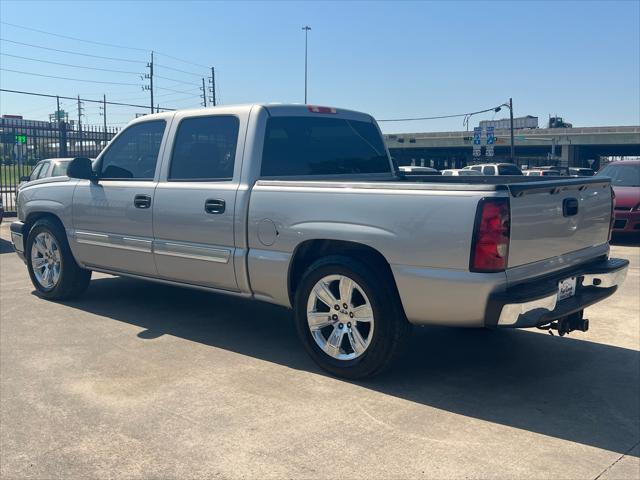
[[214, 206], [570, 207], [142, 201]]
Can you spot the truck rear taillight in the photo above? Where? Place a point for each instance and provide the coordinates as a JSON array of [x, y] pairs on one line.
[[490, 245]]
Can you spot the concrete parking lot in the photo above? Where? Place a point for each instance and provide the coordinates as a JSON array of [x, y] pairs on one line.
[[140, 380]]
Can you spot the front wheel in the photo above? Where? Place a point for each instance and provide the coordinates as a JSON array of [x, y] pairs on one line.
[[349, 317], [52, 268]]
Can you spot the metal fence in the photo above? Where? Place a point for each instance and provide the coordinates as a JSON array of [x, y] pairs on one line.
[[24, 143]]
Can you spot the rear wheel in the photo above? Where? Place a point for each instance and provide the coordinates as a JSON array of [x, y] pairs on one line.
[[349, 317], [52, 268]]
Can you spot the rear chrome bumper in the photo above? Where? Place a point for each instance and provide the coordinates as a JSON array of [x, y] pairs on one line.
[[17, 238], [536, 303]]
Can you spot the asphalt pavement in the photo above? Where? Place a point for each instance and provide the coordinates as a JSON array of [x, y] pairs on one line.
[[141, 380]]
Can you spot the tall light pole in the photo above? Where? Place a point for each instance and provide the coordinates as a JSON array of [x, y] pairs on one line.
[[306, 29], [510, 107], [513, 147]]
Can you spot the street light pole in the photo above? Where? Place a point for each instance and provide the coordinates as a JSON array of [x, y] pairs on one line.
[[509, 105], [306, 29], [511, 124]]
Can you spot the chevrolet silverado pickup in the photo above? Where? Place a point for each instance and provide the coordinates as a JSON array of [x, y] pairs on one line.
[[302, 206]]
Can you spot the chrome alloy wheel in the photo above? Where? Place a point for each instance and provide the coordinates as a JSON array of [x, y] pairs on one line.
[[340, 317], [45, 260]]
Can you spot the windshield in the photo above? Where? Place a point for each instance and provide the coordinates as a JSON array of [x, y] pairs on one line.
[[622, 175]]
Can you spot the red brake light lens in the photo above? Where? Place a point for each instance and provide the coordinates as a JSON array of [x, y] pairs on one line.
[[490, 246], [316, 109], [613, 217]]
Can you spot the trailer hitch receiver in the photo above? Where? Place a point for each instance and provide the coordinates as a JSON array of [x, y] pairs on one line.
[[568, 324]]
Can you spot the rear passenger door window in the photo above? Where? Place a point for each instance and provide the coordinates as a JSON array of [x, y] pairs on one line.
[[490, 170], [205, 149], [133, 155]]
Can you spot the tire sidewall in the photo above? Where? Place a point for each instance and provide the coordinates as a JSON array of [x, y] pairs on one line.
[[381, 304], [51, 230]]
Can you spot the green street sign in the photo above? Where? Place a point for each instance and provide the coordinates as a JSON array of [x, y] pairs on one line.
[[21, 139]]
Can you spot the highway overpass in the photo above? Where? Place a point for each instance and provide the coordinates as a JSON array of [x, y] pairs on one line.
[[539, 146]]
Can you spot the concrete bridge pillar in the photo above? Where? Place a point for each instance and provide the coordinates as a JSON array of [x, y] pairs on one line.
[[567, 156]]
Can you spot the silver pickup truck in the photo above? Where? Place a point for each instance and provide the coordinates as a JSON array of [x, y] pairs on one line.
[[302, 206]]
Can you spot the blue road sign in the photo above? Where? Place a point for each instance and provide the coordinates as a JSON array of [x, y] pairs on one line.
[[491, 138], [477, 136]]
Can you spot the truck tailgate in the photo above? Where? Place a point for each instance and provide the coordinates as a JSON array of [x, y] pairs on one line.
[[545, 222]]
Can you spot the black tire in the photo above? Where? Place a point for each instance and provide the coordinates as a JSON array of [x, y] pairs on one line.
[[391, 326], [73, 280]]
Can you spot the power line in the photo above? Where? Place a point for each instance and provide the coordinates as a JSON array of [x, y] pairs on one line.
[[178, 70], [68, 64], [437, 117], [173, 79], [181, 60], [102, 43], [35, 94], [178, 91], [66, 78], [70, 52], [73, 38]]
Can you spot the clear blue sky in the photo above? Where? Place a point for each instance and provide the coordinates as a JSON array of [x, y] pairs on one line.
[[392, 59]]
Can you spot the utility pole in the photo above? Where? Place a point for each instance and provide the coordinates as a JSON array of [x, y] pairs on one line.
[[513, 148], [204, 94], [80, 124], [62, 131], [104, 117], [306, 29], [150, 77], [212, 80]]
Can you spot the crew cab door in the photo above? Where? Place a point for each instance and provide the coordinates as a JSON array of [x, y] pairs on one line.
[[195, 200], [112, 216]]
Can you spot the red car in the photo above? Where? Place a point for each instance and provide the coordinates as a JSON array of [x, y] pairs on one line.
[[625, 180]]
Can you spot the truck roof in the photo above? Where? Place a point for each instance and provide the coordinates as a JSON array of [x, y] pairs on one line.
[[275, 109]]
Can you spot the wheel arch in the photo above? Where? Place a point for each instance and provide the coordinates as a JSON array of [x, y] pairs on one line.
[[33, 217], [309, 251]]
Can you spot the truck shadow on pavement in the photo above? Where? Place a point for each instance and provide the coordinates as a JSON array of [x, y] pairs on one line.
[[6, 246], [567, 388]]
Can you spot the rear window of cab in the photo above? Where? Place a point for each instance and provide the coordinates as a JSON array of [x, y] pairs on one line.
[[300, 146]]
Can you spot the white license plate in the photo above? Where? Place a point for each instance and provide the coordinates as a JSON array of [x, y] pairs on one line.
[[566, 288]]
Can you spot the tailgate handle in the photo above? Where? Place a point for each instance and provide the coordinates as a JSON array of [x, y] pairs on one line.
[[569, 207]]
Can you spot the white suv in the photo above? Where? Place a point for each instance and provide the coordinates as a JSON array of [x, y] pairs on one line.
[[495, 169]]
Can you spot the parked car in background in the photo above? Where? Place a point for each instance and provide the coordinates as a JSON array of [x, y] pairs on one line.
[[416, 170], [563, 171], [302, 207], [46, 169], [460, 172], [581, 172], [541, 173], [625, 180], [495, 169]]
